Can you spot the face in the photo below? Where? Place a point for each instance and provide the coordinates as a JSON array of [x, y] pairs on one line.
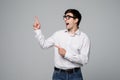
[[70, 21]]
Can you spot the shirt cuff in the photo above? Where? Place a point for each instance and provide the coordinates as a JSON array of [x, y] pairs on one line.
[[38, 32]]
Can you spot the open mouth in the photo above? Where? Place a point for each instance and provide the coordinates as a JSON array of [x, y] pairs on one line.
[[67, 23]]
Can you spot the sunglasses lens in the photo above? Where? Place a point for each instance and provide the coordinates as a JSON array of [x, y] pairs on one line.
[[67, 17]]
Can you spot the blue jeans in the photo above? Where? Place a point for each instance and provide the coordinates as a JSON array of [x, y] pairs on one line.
[[59, 75]]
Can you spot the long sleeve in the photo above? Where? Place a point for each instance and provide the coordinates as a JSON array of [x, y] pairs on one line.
[[44, 43], [77, 48], [83, 53]]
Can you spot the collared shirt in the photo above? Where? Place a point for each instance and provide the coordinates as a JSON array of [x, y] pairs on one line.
[[76, 45]]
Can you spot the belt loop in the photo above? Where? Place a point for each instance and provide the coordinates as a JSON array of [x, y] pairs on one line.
[[59, 70], [74, 70]]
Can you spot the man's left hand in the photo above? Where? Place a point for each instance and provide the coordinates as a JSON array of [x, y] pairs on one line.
[[61, 50]]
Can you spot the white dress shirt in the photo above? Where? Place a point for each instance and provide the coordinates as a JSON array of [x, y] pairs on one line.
[[77, 48]]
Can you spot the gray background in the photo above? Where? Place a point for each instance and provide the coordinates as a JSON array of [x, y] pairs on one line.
[[21, 58]]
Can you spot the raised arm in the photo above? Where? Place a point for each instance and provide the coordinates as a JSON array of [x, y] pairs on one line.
[[45, 43]]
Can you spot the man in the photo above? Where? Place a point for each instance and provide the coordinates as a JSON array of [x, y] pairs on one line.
[[71, 47]]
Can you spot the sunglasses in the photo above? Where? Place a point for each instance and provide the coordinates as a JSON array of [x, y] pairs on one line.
[[68, 17]]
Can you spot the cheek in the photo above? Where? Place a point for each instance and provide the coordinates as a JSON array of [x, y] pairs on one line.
[[72, 23]]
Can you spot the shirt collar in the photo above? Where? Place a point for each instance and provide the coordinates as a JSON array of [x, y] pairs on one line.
[[76, 33]]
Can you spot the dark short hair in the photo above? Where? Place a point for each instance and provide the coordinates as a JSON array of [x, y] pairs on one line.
[[75, 13]]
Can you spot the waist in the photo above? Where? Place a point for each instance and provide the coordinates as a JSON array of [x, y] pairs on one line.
[[68, 70]]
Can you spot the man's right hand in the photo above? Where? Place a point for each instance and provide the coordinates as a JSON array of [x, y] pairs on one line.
[[36, 24]]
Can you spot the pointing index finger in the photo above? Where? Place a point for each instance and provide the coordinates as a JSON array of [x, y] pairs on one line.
[[36, 18]]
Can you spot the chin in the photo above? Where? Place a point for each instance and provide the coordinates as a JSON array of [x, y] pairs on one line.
[[67, 27]]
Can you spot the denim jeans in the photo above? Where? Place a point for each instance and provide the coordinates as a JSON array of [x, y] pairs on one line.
[[58, 75]]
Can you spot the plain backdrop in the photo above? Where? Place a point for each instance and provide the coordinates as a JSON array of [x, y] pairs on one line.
[[21, 57]]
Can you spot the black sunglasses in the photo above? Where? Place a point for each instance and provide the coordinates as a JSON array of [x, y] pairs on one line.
[[68, 17]]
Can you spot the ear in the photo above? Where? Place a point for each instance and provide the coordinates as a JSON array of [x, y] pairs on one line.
[[76, 20]]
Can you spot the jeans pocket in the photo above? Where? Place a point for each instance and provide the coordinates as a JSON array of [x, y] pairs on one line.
[[76, 75], [57, 75]]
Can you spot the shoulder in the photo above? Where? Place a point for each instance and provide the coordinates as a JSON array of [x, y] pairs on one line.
[[60, 32], [84, 35]]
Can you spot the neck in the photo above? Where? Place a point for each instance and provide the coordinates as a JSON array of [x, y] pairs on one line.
[[73, 30]]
